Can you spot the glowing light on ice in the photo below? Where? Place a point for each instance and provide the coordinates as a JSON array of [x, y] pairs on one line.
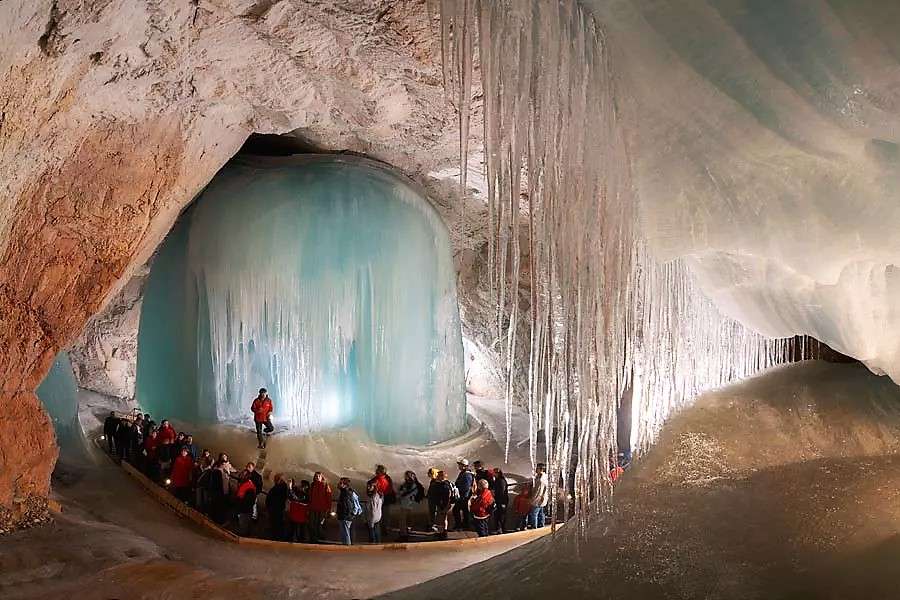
[[328, 281]]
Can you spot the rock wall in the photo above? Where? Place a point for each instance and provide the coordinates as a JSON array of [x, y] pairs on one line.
[[105, 355], [115, 113]]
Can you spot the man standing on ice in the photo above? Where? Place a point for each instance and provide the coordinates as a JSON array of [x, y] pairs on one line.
[[262, 416]]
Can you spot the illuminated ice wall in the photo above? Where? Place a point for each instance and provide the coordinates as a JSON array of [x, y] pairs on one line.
[[329, 281], [58, 393]]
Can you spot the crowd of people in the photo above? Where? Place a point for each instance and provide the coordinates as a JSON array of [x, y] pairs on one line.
[[478, 498]]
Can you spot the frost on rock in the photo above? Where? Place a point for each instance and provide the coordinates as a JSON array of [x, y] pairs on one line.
[[328, 281], [602, 313]]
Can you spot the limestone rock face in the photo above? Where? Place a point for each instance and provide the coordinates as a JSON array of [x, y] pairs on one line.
[[105, 355], [114, 114]]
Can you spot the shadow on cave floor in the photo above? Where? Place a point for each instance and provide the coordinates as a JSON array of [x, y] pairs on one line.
[[784, 487]]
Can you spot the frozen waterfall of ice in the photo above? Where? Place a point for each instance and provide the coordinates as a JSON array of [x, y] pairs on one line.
[[694, 179], [329, 281]]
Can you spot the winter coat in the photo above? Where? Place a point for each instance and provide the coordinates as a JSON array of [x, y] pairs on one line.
[[246, 496], [256, 478], [464, 482], [150, 445], [261, 409], [522, 505], [500, 491], [110, 425], [347, 505], [484, 474], [540, 491], [123, 436], [320, 497], [217, 483], [384, 485], [276, 499], [439, 493], [166, 433], [193, 450], [482, 504], [298, 512], [409, 494], [182, 469], [373, 509]]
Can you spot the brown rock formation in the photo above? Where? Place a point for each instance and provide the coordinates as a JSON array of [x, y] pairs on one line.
[[114, 114]]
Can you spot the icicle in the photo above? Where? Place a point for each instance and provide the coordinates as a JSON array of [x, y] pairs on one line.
[[600, 306]]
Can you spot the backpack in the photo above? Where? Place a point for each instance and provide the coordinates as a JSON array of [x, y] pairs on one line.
[[355, 506], [454, 492]]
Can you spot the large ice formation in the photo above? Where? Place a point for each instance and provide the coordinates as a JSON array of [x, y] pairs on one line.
[[658, 157], [764, 153], [58, 393], [328, 281]]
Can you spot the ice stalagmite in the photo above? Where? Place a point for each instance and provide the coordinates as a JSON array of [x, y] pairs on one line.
[[604, 314], [328, 281]]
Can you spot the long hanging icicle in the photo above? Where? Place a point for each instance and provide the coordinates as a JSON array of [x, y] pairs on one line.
[[601, 314]]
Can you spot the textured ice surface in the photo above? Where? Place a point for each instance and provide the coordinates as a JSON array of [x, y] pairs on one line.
[[328, 281], [764, 144], [58, 393], [617, 171]]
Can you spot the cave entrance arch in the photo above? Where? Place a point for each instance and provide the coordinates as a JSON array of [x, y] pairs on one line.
[[329, 281]]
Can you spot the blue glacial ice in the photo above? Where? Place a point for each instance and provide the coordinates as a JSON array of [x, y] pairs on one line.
[[329, 281]]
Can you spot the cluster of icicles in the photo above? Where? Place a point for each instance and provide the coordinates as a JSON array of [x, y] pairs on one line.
[[603, 316]]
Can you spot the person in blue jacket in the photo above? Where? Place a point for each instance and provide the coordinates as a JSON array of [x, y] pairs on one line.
[[464, 483]]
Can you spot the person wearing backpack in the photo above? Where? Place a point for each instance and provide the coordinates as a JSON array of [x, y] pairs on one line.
[[348, 508], [384, 485], [465, 482], [373, 513], [411, 492], [482, 507]]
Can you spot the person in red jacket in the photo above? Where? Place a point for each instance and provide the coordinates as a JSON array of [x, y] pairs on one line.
[[246, 501], [149, 463], [384, 485], [522, 506], [481, 507], [298, 512], [182, 472], [262, 416], [319, 506], [166, 432]]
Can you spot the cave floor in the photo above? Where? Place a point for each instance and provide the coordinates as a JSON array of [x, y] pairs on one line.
[[784, 487], [114, 541]]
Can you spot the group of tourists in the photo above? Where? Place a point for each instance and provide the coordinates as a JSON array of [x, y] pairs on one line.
[[297, 511]]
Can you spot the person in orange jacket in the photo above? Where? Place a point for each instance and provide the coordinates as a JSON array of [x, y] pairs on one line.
[[262, 416], [481, 507], [319, 505]]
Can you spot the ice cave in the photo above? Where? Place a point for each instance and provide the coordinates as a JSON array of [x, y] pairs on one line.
[[328, 281], [568, 297]]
